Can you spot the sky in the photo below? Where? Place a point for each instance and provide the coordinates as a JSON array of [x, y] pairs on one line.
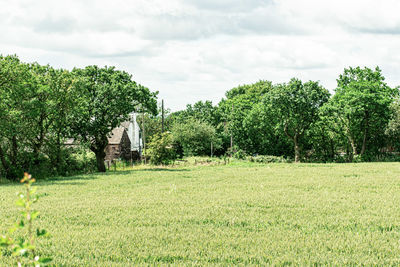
[[191, 50]]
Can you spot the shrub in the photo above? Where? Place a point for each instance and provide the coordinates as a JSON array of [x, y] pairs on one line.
[[195, 137], [161, 149], [80, 161], [268, 159], [236, 153]]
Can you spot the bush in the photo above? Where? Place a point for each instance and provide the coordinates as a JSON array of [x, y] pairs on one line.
[[161, 149], [195, 137], [80, 161], [268, 159], [236, 153]]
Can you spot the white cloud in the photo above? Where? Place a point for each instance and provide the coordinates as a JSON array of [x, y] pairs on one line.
[[192, 50]]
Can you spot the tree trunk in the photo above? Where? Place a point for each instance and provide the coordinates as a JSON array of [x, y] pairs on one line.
[[332, 149], [14, 151], [353, 146], [11, 171], [3, 160], [364, 144], [100, 156], [58, 152], [296, 150]]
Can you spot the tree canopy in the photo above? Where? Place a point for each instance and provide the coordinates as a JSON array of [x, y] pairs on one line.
[[104, 97]]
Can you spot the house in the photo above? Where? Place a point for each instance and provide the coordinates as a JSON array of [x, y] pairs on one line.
[[119, 145], [134, 134], [124, 142]]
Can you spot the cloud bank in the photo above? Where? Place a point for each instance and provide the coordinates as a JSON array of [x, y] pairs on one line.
[[192, 50]]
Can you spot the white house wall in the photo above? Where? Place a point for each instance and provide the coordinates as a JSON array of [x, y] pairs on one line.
[[134, 133]]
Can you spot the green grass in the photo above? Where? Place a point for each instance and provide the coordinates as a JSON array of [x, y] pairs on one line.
[[245, 214]]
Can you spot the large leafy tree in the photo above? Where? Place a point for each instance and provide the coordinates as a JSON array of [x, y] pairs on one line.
[[103, 99], [195, 137], [45, 110], [201, 111], [61, 102], [34, 100], [361, 108], [235, 108], [260, 124], [14, 91], [295, 107], [393, 128]]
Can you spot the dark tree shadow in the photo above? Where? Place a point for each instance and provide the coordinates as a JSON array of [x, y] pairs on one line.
[[163, 170], [73, 179]]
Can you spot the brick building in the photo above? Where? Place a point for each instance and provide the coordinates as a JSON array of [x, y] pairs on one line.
[[119, 145]]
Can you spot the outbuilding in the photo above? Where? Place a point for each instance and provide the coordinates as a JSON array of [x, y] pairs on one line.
[[119, 145]]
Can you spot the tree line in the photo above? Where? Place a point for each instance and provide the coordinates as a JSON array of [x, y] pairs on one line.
[[298, 120], [40, 107]]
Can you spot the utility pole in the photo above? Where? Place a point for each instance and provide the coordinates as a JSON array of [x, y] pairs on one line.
[[144, 138], [233, 109], [162, 116]]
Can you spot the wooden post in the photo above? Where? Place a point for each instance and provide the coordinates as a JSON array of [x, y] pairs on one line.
[[144, 139], [162, 116], [233, 108]]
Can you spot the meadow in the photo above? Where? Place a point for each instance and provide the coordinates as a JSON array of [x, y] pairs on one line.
[[236, 214]]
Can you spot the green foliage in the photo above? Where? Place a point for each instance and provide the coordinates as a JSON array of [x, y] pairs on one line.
[[200, 111], [153, 122], [79, 161], [360, 109], [295, 106], [161, 149], [195, 137], [103, 99], [14, 93], [261, 125], [24, 248], [233, 113], [40, 107], [236, 153], [393, 127], [267, 159]]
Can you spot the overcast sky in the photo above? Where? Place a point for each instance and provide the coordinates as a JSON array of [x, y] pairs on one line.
[[192, 50]]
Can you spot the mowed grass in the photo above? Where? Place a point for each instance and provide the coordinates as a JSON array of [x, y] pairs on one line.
[[301, 214]]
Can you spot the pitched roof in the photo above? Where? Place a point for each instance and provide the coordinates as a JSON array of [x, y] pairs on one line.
[[125, 124], [116, 136]]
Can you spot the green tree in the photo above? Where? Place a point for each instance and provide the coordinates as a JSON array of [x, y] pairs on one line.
[[361, 107], [393, 127], [260, 124], [295, 106], [161, 149], [234, 109], [195, 137], [103, 99], [201, 111], [14, 94], [60, 83], [46, 109], [153, 122]]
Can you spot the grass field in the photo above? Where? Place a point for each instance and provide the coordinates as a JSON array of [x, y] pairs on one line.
[[302, 214]]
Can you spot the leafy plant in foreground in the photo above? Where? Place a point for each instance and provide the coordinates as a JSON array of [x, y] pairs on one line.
[[23, 249]]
